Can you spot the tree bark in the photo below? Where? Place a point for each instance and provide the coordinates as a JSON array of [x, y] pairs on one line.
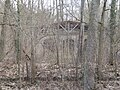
[[57, 36], [112, 30], [18, 43], [32, 62], [101, 42], [4, 28], [90, 54], [79, 57], [119, 18]]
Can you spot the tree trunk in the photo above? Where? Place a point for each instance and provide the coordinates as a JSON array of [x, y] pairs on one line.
[[32, 62], [18, 43], [79, 57], [112, 30], [119, 18], [101, 42], [4, 28], [61, 9], [57, 36], [90, 55]]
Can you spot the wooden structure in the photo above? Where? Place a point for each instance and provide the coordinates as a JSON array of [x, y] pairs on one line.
[[64, 37]]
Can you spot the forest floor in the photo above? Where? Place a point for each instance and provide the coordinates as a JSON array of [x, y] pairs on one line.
[[53, 78]]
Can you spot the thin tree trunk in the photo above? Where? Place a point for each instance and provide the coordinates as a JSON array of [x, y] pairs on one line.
[[18, 43], [42, 2], [61, 9], [119, 18], [57, 36], [80, 41], [38, 5], [101, 42], [32, 45], [112, 30]]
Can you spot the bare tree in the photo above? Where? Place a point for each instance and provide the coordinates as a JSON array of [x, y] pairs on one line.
[[32, 62], [101, 41], [4, 27], [90, 55], [57, 36], [61, 9], [112, 30], [18, 42], [79, 57], [119, 17]]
